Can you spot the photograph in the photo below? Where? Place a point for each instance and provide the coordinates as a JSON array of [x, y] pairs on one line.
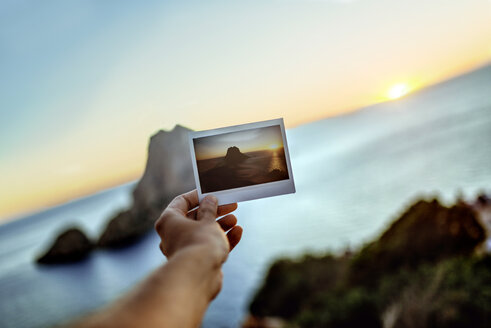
[[242, 156]]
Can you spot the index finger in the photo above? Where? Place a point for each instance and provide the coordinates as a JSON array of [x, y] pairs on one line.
[[185, 202], [222, 210]]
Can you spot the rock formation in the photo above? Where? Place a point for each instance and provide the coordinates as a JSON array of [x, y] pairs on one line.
[[70, 246], [234, 156], [168, 173], [124, 228], [169, 170]]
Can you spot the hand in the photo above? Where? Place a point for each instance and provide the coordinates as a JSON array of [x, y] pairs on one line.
[[178, 293], [182, 226]]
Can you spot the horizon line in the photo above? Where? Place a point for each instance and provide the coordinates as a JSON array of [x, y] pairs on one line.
[[12, 217]]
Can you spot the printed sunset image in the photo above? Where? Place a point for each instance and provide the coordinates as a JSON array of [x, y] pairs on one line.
[[240, 159]]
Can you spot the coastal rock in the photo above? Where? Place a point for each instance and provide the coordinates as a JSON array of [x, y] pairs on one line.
[[234, 156], [426, 232], [427, 262], [168, 173], [70, 246], [125, 228]]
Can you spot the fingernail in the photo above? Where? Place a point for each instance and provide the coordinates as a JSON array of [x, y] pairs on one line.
[[212, 199]]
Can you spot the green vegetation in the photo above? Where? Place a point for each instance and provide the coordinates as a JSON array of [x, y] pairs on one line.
[[421, 272]]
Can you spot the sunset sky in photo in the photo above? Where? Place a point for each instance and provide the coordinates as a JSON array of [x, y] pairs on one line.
[[86, 83], [266, 138]]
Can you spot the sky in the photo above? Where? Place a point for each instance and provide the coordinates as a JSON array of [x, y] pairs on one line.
[[84, 84], [267, 138]]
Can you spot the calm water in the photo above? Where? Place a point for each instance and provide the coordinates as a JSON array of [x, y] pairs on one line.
[[353, 174]]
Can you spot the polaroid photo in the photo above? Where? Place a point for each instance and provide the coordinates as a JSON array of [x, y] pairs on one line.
[[242, 162]]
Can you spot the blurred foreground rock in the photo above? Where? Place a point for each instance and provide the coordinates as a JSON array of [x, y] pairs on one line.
[[425, 270], [168, 173], [125, 228], [426, 232], [70, 246]]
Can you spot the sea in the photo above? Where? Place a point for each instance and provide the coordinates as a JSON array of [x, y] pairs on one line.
[[354, 174]]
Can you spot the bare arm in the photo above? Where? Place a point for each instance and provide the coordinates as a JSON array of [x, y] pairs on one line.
[[177, 294]]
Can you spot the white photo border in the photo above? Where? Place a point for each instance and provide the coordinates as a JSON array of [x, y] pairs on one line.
[[256, 191]]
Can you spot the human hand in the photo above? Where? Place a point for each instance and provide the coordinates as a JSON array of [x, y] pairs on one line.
[[181, 226], [178, 293]]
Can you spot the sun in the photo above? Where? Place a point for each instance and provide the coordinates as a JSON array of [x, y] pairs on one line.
[[398, 90], [274, 146]]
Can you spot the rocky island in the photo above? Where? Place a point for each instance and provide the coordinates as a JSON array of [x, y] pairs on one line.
[[168, 173], [234, 156], [70, 246]]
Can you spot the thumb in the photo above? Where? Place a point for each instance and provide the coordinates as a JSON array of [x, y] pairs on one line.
[[208, 208]]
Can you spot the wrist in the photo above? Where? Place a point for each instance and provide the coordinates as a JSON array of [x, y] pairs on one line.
[[203, 256], [202, 264]]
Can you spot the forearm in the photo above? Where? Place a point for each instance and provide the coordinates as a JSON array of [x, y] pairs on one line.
[[176, 295]]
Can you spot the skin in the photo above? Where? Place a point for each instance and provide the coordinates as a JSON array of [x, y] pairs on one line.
[[178, 293]]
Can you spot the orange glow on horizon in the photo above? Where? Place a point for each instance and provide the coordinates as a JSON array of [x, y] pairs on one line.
[[24, 202], [249, 140]]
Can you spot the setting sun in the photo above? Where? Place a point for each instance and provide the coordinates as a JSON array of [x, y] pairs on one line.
[[398, 90], [273, 146]]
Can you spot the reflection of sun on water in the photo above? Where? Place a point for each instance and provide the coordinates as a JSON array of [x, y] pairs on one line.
[[275, 162]]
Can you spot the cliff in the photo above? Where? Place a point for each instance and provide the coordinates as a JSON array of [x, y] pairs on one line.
[[168, 172], [426, 270]]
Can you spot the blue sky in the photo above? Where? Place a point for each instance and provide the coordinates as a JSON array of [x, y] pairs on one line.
[[85, 83]]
